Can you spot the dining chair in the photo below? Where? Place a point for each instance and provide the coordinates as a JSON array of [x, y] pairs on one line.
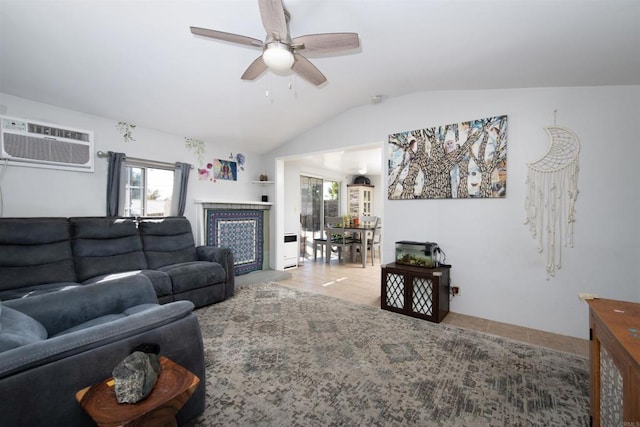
[[337, 239], [319, 243], [369, 221], [374, 243], [372, 237]]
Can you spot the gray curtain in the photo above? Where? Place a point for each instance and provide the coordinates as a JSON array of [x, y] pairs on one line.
[[180, 182], [114, 177]]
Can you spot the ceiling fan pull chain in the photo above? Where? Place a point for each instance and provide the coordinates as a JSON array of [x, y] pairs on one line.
[[268, 86], [295, 86]]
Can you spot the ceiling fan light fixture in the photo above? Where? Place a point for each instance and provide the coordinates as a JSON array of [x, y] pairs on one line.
[[278, 57]]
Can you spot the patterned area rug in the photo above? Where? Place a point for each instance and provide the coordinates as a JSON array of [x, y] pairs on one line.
[[277, 356], [261, 277]]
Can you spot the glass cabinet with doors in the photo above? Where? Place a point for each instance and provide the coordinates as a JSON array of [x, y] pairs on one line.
[[360, 200]]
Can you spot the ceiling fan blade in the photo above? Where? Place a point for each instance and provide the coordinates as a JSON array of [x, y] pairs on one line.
[[256, 68], [305, 69], [273, 19], [327, 42], [228, 37]]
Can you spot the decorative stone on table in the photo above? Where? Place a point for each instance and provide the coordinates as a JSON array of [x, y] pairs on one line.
[[136, 376]]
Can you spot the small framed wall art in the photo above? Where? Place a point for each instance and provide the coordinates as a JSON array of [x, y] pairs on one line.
[[225, 169]]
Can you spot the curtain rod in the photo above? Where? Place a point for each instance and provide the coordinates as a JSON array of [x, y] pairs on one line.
[[104, 155]]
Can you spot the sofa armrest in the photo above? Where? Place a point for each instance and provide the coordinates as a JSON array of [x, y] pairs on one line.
[[52, 349], [59, 311], [224, 257], [213, 254]]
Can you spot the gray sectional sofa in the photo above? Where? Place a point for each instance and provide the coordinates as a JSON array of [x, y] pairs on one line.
[[54, 344], [77, 295], [41, 255]]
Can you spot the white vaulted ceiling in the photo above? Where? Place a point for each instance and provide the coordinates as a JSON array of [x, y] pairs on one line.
[[137, 61]]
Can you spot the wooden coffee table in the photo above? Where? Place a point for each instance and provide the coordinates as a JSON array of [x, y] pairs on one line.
[[174, 387]]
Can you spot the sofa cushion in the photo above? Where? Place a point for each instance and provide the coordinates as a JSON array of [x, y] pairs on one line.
[[192, 275], [109, 318], [35, 251], [29, 291], [105, 245], [91, 323], [18, 329], [161, 281], [61, 311], [167, 241]]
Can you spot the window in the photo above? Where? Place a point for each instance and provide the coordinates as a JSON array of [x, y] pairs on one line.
[[331, 198], [319, 198], [148, 189], [311, 207]]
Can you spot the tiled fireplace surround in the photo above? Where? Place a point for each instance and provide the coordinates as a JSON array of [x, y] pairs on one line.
[[242, 226]]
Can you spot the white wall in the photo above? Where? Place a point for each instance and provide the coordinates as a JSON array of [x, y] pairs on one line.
[[495, 261], [46, 192]]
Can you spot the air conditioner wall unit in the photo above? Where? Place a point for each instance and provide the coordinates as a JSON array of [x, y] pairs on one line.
[[45, 145]]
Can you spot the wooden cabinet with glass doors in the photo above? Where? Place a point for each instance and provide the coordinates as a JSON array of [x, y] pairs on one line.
[[360, 200]]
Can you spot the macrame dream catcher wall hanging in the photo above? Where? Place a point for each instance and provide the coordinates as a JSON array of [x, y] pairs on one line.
[[552, 190]]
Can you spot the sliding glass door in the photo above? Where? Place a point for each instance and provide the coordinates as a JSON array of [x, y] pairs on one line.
[[318, 198]]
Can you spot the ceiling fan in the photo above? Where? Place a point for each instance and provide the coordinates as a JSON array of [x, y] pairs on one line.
[[281, 53]]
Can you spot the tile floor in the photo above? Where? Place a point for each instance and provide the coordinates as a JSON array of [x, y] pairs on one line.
[[349, 281]]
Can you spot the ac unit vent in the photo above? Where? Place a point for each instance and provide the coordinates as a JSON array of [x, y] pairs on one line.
[[35, 144], [24, 147]]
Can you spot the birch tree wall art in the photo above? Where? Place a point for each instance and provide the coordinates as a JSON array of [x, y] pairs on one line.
[[456, 161]]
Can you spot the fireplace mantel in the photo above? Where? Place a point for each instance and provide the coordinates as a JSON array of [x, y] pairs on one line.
[[233, 204]]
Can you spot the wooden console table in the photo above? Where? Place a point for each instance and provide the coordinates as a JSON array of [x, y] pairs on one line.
[[172, 390], [614, 354], [415, 291]]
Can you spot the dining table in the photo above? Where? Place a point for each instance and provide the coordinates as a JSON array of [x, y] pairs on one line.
[[361, 230]]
